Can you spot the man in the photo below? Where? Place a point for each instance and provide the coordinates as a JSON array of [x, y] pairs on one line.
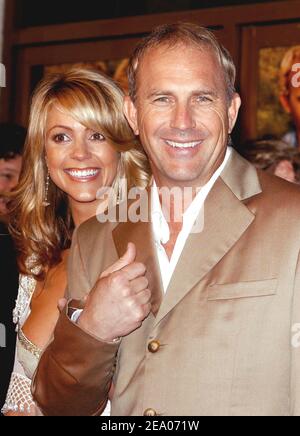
[[12, 138], [9, 287], [186, 322]]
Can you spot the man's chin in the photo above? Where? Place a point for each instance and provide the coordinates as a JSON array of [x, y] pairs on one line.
[[178, 178]]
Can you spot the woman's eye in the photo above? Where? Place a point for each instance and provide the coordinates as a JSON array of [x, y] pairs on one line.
[[97, 137], [61, 137]]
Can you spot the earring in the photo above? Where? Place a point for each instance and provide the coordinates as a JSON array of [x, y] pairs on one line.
[[121, 175], [46, 202], [119, 195], [230, 142]]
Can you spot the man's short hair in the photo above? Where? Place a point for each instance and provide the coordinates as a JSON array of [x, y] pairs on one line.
[[12, 139], [171, 35]]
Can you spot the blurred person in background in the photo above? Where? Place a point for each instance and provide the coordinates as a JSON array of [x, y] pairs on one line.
[[275, 157], [289, 83], [9, 289], [12, 138]]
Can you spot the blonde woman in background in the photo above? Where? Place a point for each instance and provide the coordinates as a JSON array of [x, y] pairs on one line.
[[78, 141], [289, 82]]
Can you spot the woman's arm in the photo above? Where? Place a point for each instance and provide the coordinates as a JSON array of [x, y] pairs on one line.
[[19, 401]]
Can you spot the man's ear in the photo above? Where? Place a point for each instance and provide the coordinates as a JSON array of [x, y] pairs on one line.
[[233, 111], [285, 102], [131, 114]]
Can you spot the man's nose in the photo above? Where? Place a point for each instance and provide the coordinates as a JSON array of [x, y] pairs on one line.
[[182, 117], [80, 150]]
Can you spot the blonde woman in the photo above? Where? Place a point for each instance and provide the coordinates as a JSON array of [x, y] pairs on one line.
[[289, 94], [78, 141]]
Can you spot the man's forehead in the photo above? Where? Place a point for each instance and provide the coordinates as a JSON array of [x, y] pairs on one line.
[[175, 48], [158, 59]]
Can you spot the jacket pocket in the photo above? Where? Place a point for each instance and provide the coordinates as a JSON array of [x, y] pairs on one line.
[[230, 291]]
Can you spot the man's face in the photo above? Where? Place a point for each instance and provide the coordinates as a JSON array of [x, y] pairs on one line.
[[9, 175], [182, 114]]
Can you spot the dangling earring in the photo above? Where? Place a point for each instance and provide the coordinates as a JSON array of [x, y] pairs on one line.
[[230, 142], [119, 195], [121, 174], [46, 202]]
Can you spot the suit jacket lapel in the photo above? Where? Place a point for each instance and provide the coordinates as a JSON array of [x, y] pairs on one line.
[[226, 218]]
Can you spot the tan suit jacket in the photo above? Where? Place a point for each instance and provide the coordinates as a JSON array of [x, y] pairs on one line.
[[224, 327]]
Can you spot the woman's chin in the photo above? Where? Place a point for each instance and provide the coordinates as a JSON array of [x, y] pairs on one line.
[[83, 197]]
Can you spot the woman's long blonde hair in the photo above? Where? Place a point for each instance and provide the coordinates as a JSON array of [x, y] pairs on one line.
[[94, 100]]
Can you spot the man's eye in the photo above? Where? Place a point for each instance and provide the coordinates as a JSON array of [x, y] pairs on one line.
[[204, 99], [163, 99], [61, 137], [97, 137]]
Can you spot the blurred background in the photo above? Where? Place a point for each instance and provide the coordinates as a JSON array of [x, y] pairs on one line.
[[40, 37]]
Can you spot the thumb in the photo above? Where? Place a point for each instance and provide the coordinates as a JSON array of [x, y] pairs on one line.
[[126, 259]]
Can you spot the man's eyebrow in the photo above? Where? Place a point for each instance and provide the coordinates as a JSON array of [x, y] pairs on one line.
[[206, 92], [157, 92]]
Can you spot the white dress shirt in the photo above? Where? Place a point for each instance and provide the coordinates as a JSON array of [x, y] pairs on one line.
[[161, 228], [161, 233]]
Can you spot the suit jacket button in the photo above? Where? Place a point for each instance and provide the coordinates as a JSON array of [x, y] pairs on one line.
[[150, 412], [154, 346]]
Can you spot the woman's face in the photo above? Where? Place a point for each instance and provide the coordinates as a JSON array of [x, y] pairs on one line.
[[80, 160]]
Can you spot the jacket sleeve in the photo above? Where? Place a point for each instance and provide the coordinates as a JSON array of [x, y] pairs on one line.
[[75, 371]]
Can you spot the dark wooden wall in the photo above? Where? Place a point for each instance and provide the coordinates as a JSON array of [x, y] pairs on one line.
[[242, 29]]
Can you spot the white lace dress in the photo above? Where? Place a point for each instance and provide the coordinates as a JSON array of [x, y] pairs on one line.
[[19, 398]]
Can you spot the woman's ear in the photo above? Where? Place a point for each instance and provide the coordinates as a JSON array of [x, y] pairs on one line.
[[131, 114]]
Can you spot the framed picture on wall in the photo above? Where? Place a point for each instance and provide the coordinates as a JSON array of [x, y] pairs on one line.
[[268, 55], [117, 69], [110, 57], [106, 54]]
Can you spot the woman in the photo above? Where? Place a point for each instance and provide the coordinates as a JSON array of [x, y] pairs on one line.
[[78, 142], [289, 93]]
